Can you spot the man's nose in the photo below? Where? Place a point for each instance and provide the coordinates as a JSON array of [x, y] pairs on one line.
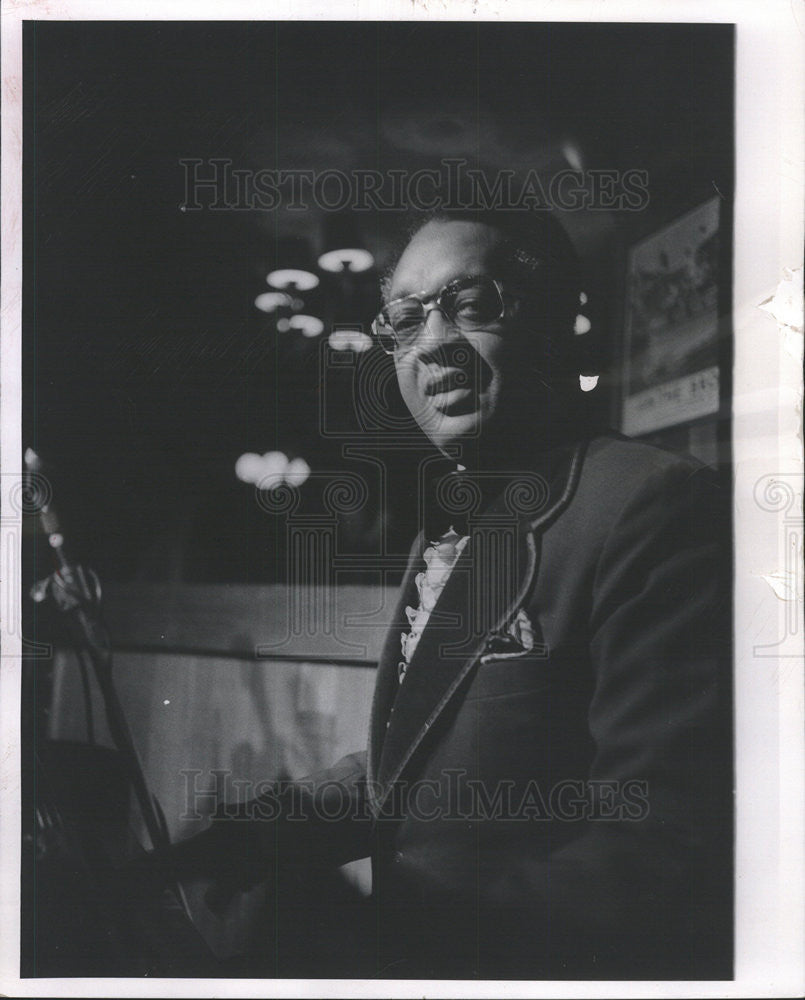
[[437, 330]]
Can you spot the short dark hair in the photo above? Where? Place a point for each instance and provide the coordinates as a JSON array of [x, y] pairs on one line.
[[535, 250]]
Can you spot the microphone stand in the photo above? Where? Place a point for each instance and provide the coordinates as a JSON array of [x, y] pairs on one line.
[[166, 931], [76, 593]]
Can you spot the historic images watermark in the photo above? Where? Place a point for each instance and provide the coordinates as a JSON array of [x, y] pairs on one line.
[[455, 796], [781, 495], [23, 495], [217, 184]]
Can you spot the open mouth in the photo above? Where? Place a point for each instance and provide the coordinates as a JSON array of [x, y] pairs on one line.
[[453, 390], [448, 381]]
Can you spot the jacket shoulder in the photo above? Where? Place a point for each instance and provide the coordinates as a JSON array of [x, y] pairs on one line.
[[616, 466], [615, 455], [618, 472]]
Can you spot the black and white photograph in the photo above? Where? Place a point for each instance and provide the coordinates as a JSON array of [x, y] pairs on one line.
[[378, 592]]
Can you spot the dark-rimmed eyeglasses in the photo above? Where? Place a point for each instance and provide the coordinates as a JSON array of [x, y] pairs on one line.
[[469, 303]]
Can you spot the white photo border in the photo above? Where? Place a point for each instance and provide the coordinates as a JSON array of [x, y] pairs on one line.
[[767, 448]]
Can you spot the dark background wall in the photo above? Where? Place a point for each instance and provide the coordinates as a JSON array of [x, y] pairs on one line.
[[147, 368]]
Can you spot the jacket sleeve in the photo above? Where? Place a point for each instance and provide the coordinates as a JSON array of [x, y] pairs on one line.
[[653, 885], [659, 716], [312, 823]]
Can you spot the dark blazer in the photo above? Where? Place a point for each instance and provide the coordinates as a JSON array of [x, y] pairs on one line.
[[561, 811]]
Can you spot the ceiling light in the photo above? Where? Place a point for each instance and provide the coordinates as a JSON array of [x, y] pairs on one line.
[[582, 325], [350, 340], [310, 326], [297, 472], [271, 470], [352, 260], [269, 302], [292, 278], [249, 467]]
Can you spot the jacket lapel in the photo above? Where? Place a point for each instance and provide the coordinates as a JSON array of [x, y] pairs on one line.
[[448, 649], [387, 682], [489, 582]]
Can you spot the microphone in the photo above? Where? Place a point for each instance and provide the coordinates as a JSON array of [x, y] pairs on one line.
[[79, 585]]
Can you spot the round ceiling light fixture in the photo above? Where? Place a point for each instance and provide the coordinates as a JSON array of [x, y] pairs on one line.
[[350, 340], [309, 326], [269, 302], [350, 259], [292, 278], [582, 325], [269, 471]]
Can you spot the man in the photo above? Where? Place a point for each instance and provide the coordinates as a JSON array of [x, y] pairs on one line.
[[545, 792]]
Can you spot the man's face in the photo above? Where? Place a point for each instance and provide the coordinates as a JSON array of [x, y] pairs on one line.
[[456, 384]]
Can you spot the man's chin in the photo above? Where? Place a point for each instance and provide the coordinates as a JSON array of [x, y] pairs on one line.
[[455, 429], [484, 436]]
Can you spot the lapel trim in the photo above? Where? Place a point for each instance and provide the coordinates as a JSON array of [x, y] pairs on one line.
[[378, 792], [387, 678]]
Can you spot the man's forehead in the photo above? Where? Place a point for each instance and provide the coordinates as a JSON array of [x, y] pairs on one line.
[[441, 251]]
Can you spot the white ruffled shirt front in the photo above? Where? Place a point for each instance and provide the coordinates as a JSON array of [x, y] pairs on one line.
[[440, 558]]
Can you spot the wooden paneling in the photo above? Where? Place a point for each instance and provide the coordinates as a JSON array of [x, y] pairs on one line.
[[346, 623], [202, 721]]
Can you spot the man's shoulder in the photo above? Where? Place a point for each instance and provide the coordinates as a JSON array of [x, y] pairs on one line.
[[615, 456], [616, 469]]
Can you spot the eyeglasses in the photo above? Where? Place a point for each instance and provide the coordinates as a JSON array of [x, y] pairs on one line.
[[469, 303]]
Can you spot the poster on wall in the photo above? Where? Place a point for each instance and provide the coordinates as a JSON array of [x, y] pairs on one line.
[[670, 366]]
